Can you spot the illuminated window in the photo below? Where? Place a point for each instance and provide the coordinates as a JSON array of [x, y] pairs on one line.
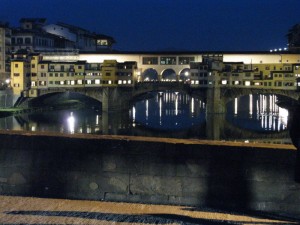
[[33, 83], [168, 60], [124, 81], [89, 82], [79, 81], [97, 81], [129, 81], [236, 82], [62, 82], [109, 82], [224, 82], [150, 60], [247, 83], [185, 60], [72, 82], [119, 81]]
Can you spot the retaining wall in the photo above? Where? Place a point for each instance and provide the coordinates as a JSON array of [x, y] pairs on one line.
[[149, 170]]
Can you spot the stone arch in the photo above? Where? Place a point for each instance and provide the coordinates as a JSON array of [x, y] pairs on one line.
[[71, 98], [168, 75], [149, 75], [185, 74]]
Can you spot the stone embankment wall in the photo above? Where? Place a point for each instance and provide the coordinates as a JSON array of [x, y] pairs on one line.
[[149, 170]]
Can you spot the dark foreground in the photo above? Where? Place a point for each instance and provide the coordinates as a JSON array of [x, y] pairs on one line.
[[26, 210]]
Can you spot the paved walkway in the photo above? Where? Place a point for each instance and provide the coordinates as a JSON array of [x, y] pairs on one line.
[[38, 211]]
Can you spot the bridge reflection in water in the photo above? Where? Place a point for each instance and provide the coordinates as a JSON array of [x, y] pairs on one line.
[[170, 114]]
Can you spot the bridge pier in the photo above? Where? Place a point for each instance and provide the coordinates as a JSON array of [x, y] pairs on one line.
[[115, 99], [214, 101]]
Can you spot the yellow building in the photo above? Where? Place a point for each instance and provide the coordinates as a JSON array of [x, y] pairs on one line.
[[20, 72]]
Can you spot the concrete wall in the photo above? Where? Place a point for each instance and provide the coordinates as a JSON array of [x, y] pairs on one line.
[[141, 170]]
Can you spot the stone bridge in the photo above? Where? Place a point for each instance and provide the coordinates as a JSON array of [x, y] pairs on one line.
[[113, 98]]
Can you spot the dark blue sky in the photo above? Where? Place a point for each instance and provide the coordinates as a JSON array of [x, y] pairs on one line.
[[150, 25]]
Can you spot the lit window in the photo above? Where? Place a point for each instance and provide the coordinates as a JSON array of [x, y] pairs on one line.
[[236, 82], [224, 82], [97, 81], [62, 82], [89, 82], [109, 82], [197, 82], [192, 82], [33, 84], [79, 81], [124, 81], [72, 82], [129, 81], [247, 83], [119, 82]]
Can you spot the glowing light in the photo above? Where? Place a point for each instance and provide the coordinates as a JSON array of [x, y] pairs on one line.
[[250, 105], [71, 123], [235, 106], [247, 83], [192, 105], [224, 81]]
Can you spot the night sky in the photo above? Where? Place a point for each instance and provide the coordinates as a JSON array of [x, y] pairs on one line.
[[182, 25]]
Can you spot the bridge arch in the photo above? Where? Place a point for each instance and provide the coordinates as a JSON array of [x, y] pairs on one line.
[[168, 75], [185, 74], [149, 74], [67, 98]]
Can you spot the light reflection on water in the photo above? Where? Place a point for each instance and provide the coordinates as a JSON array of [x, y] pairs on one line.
[[168, 114], [258, 113]]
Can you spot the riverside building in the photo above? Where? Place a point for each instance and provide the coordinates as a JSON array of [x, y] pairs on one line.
[[33, 73]]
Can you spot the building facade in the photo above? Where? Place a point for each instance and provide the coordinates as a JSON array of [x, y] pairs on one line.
[[37, 72], [5, 52]]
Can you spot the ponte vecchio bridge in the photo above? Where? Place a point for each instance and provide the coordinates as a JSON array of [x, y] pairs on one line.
[[115, 78]]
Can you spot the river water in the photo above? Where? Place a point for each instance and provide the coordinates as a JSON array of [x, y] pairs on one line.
[[169, 114]]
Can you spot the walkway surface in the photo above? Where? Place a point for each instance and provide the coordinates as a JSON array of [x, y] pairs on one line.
[[38, 211]]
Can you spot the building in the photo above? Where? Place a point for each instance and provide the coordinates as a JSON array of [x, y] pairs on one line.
[[35, 73], [80, 38], [294, 38], [5, 51]]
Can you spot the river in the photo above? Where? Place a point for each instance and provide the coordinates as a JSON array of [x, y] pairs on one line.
[[169, 114]]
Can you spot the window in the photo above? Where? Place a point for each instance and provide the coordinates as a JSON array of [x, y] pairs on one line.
[[79, 67], [27, 40], [19, 40], [185, 60], [42, 66], [33, 83], [97, 81], [168, 60], [16, 74], [150, 60], [16, 65], [107, 74], [32, 66]]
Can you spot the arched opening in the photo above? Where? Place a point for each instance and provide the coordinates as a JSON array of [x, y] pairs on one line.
[[169, 75], [185, 75], [149, 75]]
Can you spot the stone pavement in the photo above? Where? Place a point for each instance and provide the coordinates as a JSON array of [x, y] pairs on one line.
[[38, 211]]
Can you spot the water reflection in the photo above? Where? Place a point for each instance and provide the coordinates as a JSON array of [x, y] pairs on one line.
[[168, 114], [258, 113], [169, 111]]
